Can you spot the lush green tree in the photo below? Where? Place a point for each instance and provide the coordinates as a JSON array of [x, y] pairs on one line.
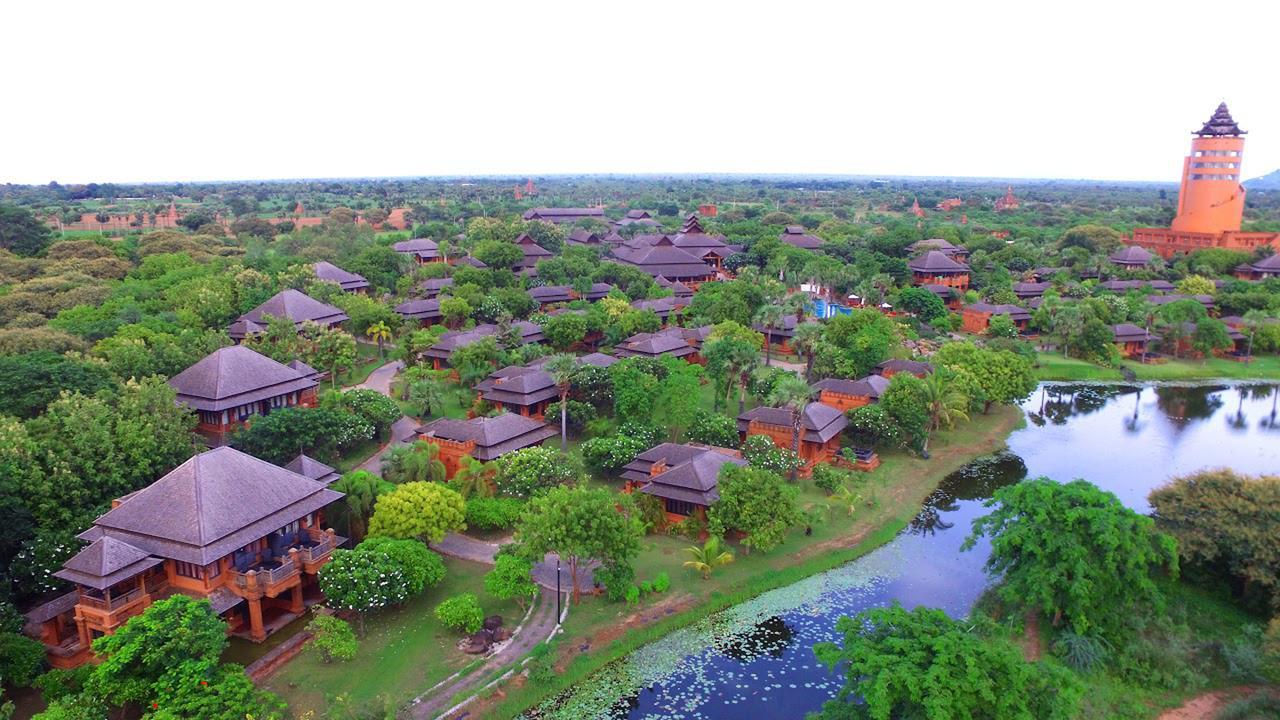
[[511, 579], [332, 637], [806, 340], [475, 361], [1097, 239], [562, 368], [455, 311], [793, 393], [1001, 326], [21, 659], [419, 462], [497, 254], [423, 510], [210, 691], [360, 488], [634, 387], [379, 410], [531, 470], [1209, 335], [475, 479], [921, 303], [379, 332], [333, 350], [907, 405], [1228, 523], [922, 664], [1196, 285], [730, 360], [607, 455], [756, 502], [169, 634], [21, 232], [1074, 553], [461, 612], [362, 581], [422, 568], [580, 524], [713, 429], [676, 399], [565, 330], [29, 382], [319, 432], [769, 317], [999, 376]]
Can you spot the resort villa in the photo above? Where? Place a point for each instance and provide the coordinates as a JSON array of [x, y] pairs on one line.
[[796, 236], [292, 305], [230, 386], [226, 526], [976, 318], [483, 438], [845, 395], [937, 268], [422, 250], [348, 281], [820, 428], [683, 477]]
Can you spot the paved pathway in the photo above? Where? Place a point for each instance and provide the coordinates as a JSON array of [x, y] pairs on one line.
[[544, 573], [401, 433], [380, 379], [537, 628]]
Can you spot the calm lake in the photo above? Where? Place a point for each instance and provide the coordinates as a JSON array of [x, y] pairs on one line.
[[755, 659]]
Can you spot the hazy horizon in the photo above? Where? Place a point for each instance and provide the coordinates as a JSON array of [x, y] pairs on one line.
[[153, 92]]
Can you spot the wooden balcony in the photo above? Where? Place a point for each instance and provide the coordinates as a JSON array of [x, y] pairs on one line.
[[268, 582], [114, 610], [314, 557]]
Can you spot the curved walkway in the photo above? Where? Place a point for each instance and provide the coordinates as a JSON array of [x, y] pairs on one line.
[[538, 627], [544, 573], [380, 379]]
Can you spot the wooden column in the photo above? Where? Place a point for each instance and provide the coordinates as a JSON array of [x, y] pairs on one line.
[[295, 600], [257, 632]]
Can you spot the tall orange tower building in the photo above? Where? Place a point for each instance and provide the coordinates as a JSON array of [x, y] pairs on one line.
[[1211, 199]]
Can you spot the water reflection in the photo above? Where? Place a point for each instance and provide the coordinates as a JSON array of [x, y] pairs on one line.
[[976, 481], [768, 638]]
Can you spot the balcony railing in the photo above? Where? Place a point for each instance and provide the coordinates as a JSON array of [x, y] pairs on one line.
[[114, 602], [319, 552], [265, 579]]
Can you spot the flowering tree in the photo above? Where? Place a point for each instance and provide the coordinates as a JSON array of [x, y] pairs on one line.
[[363, 580]]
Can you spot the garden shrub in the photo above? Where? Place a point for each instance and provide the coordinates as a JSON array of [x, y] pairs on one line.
[[332, 637], [633, 595], [616, 579], [662, 583], [461, 612], [495, 513]]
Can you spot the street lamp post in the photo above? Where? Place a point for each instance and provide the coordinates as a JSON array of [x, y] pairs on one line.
[[557, 589]]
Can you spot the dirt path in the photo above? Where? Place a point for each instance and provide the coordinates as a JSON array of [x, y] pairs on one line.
[[537, 628], [1032, 650], [1204, 707]]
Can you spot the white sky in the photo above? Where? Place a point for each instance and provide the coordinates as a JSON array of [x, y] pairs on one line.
[[149, 91]]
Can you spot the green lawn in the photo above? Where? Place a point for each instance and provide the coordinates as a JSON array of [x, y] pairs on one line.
[[1055, 367], [405, 651]]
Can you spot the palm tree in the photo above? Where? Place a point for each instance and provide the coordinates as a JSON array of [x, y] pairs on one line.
[[793, 393], [561, 368], [1253, 321], [944, 403], [768, 317], [419, 462], [379, 332], [426, 394], [847, 498], [474, 478], [708, 557], [805, 341], [742, 362], [360, 490]]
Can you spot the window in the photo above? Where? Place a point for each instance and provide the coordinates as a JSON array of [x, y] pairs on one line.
[[186, 569], [213, 569], [679, 507]]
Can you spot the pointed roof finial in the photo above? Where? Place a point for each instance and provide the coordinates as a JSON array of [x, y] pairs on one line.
[[1220, 124]]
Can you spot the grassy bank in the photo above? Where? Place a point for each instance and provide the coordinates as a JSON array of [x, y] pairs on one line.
[[405, 651], [598, 631], [1056, 367]]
